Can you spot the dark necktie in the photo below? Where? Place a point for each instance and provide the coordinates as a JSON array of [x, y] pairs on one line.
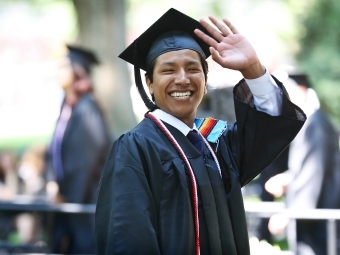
[[196, 139]]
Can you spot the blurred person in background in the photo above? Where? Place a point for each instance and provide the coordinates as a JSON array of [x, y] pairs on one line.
[[8, 190], [31, 167], [278, 166], [78, 150], [19, 178], [9, 182], [312, 179], [31, 173]]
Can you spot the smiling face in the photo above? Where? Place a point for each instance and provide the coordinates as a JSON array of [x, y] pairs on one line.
[[178, 84]]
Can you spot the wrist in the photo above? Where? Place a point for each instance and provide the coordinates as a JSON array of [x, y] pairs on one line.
[[254, 71]]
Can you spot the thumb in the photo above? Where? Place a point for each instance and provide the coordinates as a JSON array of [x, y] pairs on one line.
[[213, 52], [216, 56]]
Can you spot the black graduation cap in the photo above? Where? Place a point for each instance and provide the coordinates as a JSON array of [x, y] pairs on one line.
[[172, 31], [301, 80], [84, 57]]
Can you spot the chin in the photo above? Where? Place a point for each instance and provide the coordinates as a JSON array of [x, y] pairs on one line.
[[183, 113]]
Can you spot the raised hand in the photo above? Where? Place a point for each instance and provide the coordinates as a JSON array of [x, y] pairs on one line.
[[231, 49]]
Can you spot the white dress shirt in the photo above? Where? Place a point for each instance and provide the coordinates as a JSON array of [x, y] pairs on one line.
[[267, 95]]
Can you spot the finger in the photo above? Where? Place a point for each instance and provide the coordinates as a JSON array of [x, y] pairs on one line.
[[207, 39], [212, 31], [231, 26], [225, 30]]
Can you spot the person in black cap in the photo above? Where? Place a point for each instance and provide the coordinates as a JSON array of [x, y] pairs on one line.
[[172, 185], [312, 179], [77, 152]]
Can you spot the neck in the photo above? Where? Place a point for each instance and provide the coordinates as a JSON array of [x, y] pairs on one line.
[[188, 121], [71, 98]]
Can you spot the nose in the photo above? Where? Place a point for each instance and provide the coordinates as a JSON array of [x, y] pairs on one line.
[[182, 78]]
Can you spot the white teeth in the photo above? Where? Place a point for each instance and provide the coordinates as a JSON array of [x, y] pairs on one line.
[[180, 94]]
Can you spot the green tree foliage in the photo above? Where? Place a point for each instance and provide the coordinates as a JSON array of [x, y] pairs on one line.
[[319, 53]]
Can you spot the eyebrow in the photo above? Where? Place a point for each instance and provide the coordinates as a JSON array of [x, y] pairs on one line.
[[167, 64], [192, 62]]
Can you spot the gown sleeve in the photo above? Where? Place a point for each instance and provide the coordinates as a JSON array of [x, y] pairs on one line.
[[267, 95], [126, 215], [257, 138]]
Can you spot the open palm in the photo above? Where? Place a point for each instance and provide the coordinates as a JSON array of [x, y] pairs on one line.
[[229, 48]]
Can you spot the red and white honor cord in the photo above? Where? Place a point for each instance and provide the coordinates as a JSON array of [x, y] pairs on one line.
[[191, 174]]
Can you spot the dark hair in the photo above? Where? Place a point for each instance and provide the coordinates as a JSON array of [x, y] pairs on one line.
[[151, 67]]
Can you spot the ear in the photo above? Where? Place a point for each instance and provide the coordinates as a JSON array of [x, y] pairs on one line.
[[149, 83], [205, 90]]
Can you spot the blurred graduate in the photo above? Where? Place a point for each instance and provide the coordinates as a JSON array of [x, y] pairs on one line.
[[172, 185], [312, 179], [77, 151]]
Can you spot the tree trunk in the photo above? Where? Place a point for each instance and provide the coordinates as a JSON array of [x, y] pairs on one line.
[[102, 28]]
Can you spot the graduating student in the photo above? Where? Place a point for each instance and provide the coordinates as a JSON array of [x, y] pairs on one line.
[[75, 157], [172, 185]]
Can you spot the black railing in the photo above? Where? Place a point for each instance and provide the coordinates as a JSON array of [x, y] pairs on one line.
[[253, 209], [267, 209]]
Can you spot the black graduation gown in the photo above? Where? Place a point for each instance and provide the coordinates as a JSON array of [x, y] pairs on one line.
[[144, 204], [85, 141]]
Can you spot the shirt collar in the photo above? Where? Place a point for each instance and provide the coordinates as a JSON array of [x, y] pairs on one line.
[[173, 121]]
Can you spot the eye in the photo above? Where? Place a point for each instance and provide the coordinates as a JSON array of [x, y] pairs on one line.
[[194, 69], [167, 70]]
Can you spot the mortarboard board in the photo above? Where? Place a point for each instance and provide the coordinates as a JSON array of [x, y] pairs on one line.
[[301, 79], [172, 31], [82, 56]]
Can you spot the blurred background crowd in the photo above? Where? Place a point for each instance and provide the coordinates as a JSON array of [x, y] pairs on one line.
[[60, 71]]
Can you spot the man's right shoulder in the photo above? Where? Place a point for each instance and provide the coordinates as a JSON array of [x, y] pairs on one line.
[[145, 128]]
